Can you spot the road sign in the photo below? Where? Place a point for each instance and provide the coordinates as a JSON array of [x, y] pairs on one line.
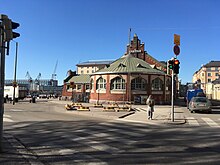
[[176, 50], [176, 39]]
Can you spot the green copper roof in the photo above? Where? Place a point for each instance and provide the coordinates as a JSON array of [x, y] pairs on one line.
[[83, 78], [129, 64]]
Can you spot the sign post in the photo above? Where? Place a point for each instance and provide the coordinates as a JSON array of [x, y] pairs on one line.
[[175, 68]]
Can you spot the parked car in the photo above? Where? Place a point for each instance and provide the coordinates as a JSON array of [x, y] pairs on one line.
[[200, 104]]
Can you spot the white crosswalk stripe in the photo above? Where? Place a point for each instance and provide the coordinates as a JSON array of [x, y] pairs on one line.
[[210, 122], [89, 141], [192, 121], [7, 118]]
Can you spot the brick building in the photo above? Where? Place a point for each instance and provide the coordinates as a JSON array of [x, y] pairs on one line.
[[130, 79]]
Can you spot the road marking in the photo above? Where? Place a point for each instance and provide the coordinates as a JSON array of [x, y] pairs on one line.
[[7, 115], [17, 110], [192, 121], [210, 122], [6, 118], [96, 145]]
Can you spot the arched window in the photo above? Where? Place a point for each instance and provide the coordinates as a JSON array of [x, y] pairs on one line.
[[117, 83], [138, 84], [157, 84], [101, 83]]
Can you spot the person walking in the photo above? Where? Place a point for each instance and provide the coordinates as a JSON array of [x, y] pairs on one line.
[[150, 108]]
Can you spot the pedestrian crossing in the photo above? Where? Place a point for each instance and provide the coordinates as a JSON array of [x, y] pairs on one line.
[[203, 121], [7, 118], [105, 138]]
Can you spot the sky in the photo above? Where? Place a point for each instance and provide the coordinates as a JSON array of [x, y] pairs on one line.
[[68, 32]]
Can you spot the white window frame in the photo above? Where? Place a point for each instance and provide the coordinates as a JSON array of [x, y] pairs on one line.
[[117, 83], [157, 84], [101, 83], [138, 84]]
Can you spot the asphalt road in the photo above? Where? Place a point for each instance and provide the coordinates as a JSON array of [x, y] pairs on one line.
[[51, 136]]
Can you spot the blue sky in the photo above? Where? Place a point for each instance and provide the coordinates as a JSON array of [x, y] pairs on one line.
[[73, 31]]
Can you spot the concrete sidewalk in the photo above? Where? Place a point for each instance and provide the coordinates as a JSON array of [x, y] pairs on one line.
[[162, 114]]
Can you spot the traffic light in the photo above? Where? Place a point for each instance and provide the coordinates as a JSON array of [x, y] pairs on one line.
[[176, 66], [170, 64], [8, 26]]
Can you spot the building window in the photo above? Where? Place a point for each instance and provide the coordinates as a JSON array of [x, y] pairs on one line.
[[87, 71], [138, 84], [216, 74], [209, 80], [79, 87], [216, 68], [87, 87], [117, 83], [209, 74], [101, 83], [157, 84], [81, 71], [208, 69]]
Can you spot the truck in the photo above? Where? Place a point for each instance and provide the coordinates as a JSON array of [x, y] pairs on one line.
[[9, 91], [192, 93]]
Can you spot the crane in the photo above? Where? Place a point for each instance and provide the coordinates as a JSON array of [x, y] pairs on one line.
[[30, 80], [54, 72], [29, 77], [37, 80]]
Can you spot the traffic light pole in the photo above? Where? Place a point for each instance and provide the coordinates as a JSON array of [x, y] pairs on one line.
[[172, 98], [2, 81]]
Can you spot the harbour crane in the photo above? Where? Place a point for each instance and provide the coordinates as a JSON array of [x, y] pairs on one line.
[[37, 80], [30, 81], [54, 75]]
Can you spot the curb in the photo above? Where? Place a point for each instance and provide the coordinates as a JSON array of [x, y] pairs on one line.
[[128, 114], [176, 122]]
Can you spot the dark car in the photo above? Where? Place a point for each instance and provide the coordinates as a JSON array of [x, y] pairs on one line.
[[200, 104]]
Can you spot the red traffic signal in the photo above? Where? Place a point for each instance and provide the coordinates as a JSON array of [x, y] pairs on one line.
[[176, 62], [176, 66]]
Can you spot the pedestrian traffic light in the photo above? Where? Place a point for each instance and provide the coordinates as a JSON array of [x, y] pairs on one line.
[[176, 66], [170, 64]]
